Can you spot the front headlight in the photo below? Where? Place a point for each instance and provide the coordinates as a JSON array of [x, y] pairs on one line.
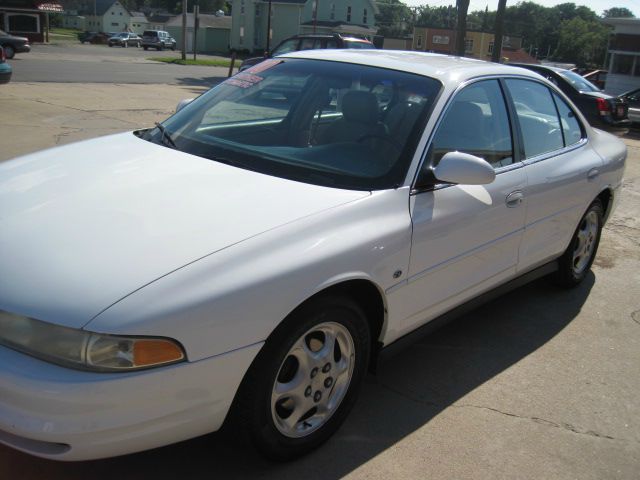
[[86, 350]]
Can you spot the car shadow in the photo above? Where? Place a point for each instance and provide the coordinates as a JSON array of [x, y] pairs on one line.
[[408, 391]]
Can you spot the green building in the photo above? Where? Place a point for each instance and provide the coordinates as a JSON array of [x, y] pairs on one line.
[[292, 17]]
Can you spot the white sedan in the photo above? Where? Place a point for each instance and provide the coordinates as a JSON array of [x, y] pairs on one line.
[[248, 260]]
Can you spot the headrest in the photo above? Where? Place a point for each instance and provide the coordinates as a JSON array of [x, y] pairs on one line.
[[465, 114], [360, 106]]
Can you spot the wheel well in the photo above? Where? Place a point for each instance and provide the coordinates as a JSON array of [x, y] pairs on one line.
[[605, 198], [370, 299]]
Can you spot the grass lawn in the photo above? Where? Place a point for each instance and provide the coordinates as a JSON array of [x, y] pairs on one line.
[[221, 62], [65, 31]]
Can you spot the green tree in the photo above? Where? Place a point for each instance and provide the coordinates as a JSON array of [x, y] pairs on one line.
[[436, 17], [394, 19], [618, 12], [583, 42]]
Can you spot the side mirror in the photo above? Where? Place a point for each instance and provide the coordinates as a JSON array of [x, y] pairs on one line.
[[465, 169], [183, 103]]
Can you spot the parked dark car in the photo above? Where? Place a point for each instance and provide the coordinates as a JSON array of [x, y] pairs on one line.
[[5, 68], [125, 39], [310, 42], [95, 37], [12, 44], [158, 39], [602, 110], [633, 99]]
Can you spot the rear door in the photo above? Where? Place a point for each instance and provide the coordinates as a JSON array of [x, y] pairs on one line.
[[562, 170]]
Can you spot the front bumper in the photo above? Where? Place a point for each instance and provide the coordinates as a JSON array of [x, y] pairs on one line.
[[63, 414], [22, 48]]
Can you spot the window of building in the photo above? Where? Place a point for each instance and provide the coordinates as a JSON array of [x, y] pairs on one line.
[[241, 7], [23, 23], [468, 45], [622, 64], [115, 24], [241, 35], [257, 10], [332, 12], [348, 14], [419, 41], [490, 47], [364, 16]]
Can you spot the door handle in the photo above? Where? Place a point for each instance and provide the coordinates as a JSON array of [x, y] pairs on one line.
[[514, 199], [593, 173]]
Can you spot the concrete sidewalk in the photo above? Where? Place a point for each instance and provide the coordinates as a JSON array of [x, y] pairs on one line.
[[42, 115]]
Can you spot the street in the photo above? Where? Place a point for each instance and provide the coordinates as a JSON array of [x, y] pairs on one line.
[[77, 63], [542, 383]]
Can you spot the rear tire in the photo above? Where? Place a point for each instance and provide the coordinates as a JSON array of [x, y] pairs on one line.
[[305, 380], [575, 263], [145, 48]]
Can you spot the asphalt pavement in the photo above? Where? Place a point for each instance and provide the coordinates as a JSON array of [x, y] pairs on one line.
[[539, 384], [78, 63]]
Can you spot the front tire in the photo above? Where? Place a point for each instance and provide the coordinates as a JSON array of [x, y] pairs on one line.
[[576, 261], [306, 378]]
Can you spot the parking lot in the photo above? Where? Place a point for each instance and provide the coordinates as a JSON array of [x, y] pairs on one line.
[[539, 384]]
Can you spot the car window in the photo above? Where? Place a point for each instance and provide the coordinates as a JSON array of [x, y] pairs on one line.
[[332, 43], [287, 46], [578, 81], [476, 122], [309, 43], [570, 125], [314, 121], [537, 116]]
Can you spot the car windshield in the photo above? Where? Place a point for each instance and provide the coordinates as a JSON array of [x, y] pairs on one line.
[[123, 35], [578, 81], [327, 123]]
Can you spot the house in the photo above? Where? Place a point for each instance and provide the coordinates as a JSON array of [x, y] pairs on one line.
[[106, 16], [292, 17], [477, 44], [213, 32], [138, 23], [27, 18], [623, 55]]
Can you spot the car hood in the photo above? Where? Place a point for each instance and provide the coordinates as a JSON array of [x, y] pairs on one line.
[[84, 225]]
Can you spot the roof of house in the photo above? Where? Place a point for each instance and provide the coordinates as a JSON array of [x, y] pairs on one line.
[[101, 7], [160, 17], [517, 55]]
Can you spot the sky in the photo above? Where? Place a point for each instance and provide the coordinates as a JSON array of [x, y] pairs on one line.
[[597, 6]]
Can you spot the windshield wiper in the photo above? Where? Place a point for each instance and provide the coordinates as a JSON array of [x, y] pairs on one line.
[[166, 138]]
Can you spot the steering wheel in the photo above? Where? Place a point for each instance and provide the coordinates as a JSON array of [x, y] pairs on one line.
[[385, 138]]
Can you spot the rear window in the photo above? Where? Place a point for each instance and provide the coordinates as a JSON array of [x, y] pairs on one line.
[[150, 33], [357, 44]]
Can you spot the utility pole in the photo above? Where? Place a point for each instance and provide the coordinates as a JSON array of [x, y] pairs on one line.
[[196, 22], [184, 30], [461, 27], [266, 53], [315, 14], [498, 28]]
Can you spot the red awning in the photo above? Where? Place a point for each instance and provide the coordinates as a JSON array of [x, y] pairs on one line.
[[50, 7]]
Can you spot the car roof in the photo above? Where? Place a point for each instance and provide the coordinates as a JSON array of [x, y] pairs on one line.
[[446, 68]]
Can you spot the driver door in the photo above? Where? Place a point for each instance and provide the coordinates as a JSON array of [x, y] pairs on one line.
[[465, 237]]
